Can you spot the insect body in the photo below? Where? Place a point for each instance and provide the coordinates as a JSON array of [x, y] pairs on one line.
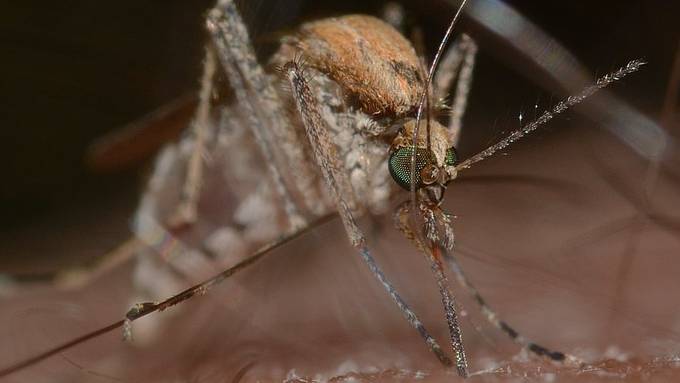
[[345, 95], [351, 90]]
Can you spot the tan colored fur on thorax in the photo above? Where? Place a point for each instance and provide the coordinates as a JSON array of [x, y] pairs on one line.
[[369, 59]]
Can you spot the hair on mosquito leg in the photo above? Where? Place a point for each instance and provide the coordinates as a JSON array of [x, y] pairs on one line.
[[230, 36]]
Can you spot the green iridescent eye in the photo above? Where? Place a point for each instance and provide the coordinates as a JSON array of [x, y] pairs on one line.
[[451, 156], [400, 165]]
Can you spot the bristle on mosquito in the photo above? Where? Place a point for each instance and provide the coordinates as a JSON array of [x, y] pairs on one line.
[[560, 107]]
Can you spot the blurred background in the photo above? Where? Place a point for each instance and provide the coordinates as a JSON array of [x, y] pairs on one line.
[[587, 222]]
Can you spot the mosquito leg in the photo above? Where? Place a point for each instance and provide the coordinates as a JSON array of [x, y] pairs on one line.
[[185, 212], [462, 88], [254, 90], [448, 69], [150, 229], [402, 223], [459, 61], [340, 187], [433, 255], [495, 320], [143, 309], [262, 137]]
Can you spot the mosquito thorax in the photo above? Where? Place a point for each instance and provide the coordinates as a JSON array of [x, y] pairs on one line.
[[435, 158], [368, 58]]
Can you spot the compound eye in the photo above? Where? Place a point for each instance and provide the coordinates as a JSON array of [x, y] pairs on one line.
[[400, 165], [451, 156]]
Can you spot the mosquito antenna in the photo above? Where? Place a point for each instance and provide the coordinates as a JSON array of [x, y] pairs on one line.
[[560, 107], [144, 309], [424, 97]]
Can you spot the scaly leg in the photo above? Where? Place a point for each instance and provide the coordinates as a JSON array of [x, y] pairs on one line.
[[459, 61], [271, 126]]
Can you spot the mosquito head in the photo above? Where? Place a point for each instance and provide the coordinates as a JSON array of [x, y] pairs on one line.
[[435, 160]]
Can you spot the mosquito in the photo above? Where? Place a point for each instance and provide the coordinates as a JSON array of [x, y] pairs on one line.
[[345, 121]]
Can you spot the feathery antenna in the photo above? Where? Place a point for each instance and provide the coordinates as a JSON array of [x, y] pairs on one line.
[[560, 107]]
